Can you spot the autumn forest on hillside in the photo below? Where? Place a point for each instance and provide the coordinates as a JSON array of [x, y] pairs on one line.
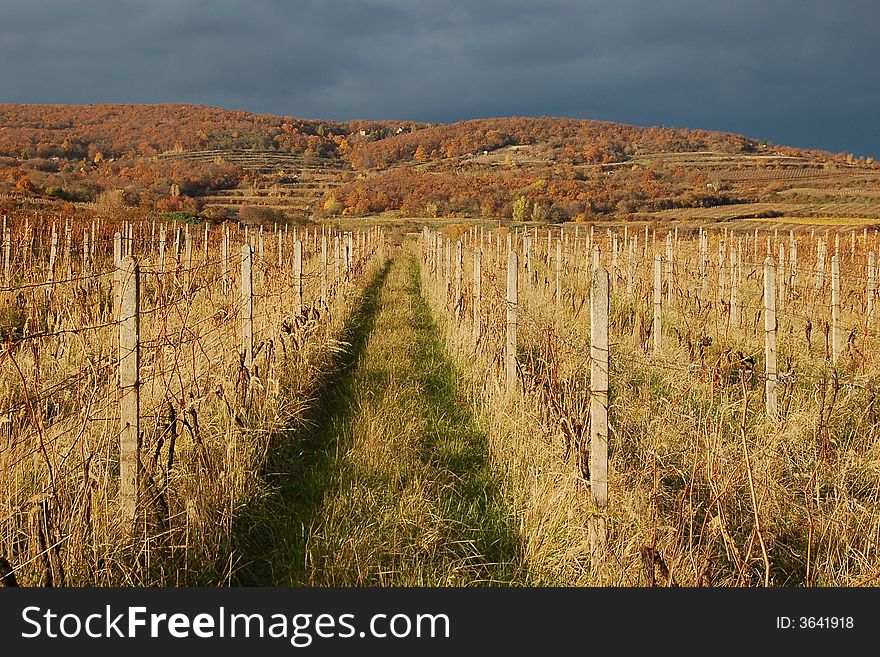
[[217, 164]]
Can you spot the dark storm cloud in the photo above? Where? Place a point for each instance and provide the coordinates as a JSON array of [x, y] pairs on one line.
[[801, 72]]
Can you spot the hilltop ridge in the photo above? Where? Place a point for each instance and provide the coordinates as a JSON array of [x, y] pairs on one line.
[[221, 163]]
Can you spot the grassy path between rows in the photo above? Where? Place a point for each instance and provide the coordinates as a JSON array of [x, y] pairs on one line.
[[392, 486]]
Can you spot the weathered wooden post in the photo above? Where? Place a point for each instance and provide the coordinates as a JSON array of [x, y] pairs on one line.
[[770, 338], [704, 265], [835, 308], [510, 346], [599, 309], [528, 250], [129, 390], [247, 305], [162, 245], [820, 265], [280, 236], [658, 305], [53, 250]]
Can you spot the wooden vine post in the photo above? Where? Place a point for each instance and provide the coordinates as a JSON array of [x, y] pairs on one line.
[[835, 309], [704, 265], [598, 412], [162, 245], [129, 391], [770, 338], [53, 250], [247, 305], [658, 306], [280, 236]]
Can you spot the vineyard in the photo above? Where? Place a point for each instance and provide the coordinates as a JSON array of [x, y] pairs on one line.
[[146, 373], [193, 404], [282, 181], [689, 409]]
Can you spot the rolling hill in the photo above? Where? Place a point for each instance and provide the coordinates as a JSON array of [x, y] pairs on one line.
[[215, 162]]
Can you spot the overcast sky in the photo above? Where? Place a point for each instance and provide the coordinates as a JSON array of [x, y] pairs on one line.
[[797, 72]]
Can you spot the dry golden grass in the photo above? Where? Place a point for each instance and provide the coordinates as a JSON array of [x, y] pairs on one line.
[[702, 486], [207, 425]]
